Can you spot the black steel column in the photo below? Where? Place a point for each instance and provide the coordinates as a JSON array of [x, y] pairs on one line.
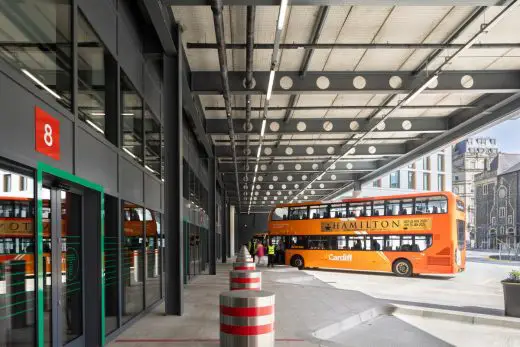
[[212, 195], [173, 138], [225, 227]]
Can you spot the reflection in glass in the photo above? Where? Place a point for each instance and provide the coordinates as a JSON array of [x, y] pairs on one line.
[[71, 267], [17, 294], [91, 76], [111, 264], [152, 130], [153, 263], [131, 119], [35, 38], [132, 260], [47, 265]]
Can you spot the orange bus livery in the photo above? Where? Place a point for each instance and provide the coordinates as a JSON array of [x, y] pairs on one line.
[[406, 234]]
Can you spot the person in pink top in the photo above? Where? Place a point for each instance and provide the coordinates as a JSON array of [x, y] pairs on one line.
[[260, 252]]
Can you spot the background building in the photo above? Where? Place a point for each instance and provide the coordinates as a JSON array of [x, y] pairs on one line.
[[430, 173], [497, 202], [471, 157]]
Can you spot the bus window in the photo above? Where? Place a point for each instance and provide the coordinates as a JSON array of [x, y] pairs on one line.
[[356, 243], [392, 207], [379, 208], [421, 242], [148, 215], [376, 243], [317, 212], [6, 208], [342, 242], [338, 211], [435, 204], [298, 212], [392, 243], [297, 242], [360, 209], [318, 242], [280, 213], [406, 243], [406, 207]]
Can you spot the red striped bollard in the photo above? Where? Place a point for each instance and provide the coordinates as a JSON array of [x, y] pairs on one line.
[[248, 280], [247, 319], [246, 266]]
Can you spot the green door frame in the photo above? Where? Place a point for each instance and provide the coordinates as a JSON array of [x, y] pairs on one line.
[[48, 169]]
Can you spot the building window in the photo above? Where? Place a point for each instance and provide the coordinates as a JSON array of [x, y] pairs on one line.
[[97, 84], [36, 40], [426, 163], [7, 183], [510, 219], [485, 189], [440, 182], [493, 220], [502, 212], [131, 119], [377, 183], [502, 230], [152, 135], [426, 181], [455, 178], [23, 183], [440, 162], [394, 179], [411, 180]]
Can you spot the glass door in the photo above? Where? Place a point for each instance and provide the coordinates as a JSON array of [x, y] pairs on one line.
[[63, 265]]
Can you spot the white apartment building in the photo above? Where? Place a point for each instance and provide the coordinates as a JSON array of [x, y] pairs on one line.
[[429, 173]]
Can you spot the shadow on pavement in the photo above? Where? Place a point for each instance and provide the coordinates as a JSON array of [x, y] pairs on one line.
[[467, 309], [384, 274]]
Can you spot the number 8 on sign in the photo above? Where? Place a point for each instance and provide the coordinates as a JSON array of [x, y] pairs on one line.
[[47, 134]]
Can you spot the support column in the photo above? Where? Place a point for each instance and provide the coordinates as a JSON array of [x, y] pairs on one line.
[[357, 189], [232, 249], [212, 194], [173, 139], [225, 230]]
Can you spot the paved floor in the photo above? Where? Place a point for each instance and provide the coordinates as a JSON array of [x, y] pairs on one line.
[[323, 308], [478, 289]]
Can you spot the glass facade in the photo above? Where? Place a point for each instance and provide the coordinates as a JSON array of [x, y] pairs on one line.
[[394, 179], [196, 224], [17, 294], [153, 148], [131, 119], [35, 39], [96, 81]]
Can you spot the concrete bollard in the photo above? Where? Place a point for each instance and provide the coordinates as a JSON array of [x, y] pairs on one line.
[[244, 266], [245, 280], [243, 256], [247, 319]]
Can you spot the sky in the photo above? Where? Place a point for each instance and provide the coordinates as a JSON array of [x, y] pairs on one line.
[[507, 135]]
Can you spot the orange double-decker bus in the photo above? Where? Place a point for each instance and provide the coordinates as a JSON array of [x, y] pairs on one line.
[[406, 234]]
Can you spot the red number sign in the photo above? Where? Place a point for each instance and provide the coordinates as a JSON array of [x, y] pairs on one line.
[[47, 134]]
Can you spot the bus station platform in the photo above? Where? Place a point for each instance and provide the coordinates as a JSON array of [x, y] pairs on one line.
[[308, 312]]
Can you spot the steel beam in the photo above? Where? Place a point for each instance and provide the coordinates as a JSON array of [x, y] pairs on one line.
[[282, 178], [308, 167], [318, 150], [344, 107], [312, 46], [339, 125], [162, 21], [496, 81], [343, 2], [486, 118]]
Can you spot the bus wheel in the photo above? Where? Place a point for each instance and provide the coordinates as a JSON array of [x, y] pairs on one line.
[[297, 261], [402, 268]]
